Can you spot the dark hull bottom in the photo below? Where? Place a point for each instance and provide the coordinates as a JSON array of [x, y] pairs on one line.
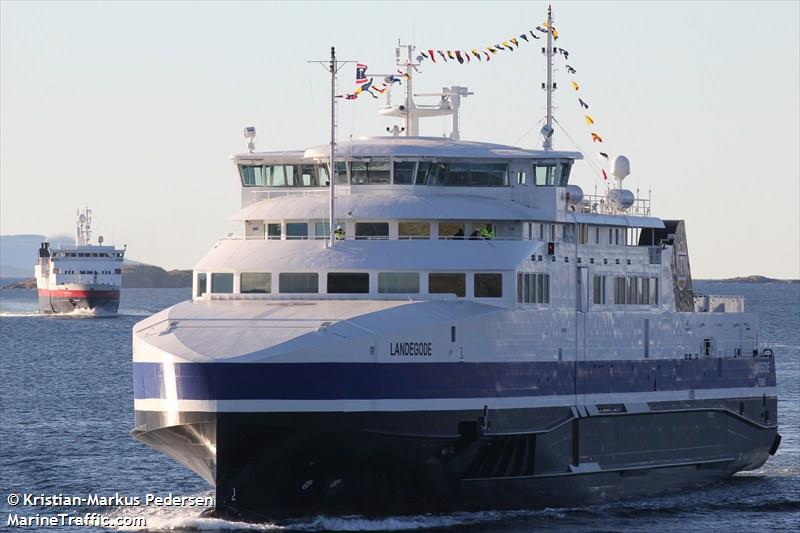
[[283, 465], [59, 305]]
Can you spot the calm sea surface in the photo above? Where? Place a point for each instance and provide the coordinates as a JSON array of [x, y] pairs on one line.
[[66, 407]]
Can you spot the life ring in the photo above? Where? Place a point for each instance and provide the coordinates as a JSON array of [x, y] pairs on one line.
[[767, 352]]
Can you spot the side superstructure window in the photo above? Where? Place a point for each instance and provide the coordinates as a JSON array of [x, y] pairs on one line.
[[488, 285], [297, 283], [423, 168], [533, 288], [322, 230], [296, 230], [274, 231], [255, 282], [222, 282], [398, 282], [201, 283], [636, 290], [348, 283], [404, 172], [372, 230], [414, 230], [448, 284], [599, 290]]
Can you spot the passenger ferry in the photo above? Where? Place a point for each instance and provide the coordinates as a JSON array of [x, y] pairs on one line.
[[447, 325], [85, 278]]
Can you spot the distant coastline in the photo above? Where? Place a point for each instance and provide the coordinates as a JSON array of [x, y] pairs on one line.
[[134, 276], [752, 279]]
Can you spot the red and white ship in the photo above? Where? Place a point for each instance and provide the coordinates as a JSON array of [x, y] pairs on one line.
[[84, 278]]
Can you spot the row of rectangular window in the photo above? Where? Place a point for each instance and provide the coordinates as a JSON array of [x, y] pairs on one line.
[[486, 285], [533, 288], [88, 254], [380, 230], [384, 172]]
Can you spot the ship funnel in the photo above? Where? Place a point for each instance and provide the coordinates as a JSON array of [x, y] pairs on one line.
[[620, 167]]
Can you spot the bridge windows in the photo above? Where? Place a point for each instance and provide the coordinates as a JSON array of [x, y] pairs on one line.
[[462, 174], [404, 172], [548, 174], [348, 283], [256, 282], [488, 285], [298, 283], [448, 283], [398, 283], [282, 175], [370, 172], [222, 282]]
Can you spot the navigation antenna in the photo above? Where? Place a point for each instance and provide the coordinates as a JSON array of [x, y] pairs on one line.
[[549, 86], [83, 229], [333, 67]]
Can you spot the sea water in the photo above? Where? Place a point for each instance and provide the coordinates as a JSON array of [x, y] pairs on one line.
[[66, 410]]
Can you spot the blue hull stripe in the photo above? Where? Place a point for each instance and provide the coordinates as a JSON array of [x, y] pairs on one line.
[[372, 381]]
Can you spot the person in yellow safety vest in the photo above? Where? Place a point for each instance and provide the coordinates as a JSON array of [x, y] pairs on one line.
[[339, 233], [487, 233]]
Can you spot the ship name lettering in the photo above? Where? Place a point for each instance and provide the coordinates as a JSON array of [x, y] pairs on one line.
[[410, 348]]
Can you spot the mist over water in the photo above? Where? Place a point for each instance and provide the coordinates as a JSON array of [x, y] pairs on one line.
[[66, 399]]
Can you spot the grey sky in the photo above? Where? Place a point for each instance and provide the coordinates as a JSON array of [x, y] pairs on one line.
[[133, 108]]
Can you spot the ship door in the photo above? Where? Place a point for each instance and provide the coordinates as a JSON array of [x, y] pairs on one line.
[[581, 310]]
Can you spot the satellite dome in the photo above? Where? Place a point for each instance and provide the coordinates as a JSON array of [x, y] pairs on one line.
[[620, 167]]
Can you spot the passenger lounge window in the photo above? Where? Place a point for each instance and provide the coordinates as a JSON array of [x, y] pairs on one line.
[[488, 285], [221, 283], [372, 230], [451, 230], [296, 283], [414, 230], [398, 282], [448, 284], [348, 283], [255, 282]]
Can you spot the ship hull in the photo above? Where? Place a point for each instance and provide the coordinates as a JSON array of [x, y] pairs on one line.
[[101, 302], [293, 464]]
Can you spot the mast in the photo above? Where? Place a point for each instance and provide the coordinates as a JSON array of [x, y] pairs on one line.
[[547, 130], [333, 70]]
